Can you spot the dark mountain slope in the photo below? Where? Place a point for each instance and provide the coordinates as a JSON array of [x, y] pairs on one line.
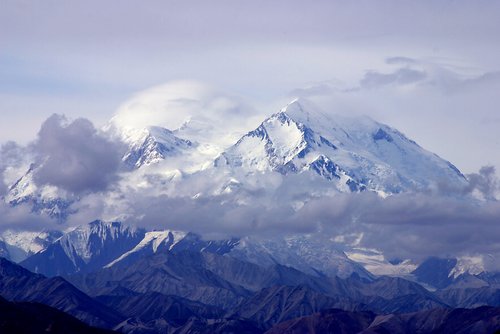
[[19, 284], [34, 318]]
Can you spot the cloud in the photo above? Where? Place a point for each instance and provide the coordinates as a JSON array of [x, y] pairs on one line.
[[485, 182], [22, 218], [416, 226], [12, 155], [402, 226], [74, 156], [402, 76], [413, 226], [188, 106]]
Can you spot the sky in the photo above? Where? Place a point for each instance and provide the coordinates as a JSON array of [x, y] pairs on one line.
[[428, 68]]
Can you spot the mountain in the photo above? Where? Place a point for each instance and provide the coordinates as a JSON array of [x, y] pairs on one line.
[[205, 277], [46, 200], [464, 272], [350, 154], [184, 274], [204, 326], [327, 321], [480, 320], [154, 241], [30, 318], [152, 308], [171, 282], [435, 272], [101, 244], [4, 252], [280, 303], [19, 284], [375, 262], [354, 153], [224, 282], [313, 256], [471, 297], [87, 247], [151, 145]]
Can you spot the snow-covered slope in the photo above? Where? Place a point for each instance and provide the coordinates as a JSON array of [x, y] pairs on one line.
[[375, 262], [153, 242], [473, 265], [22, 244], [46, 199], [352, 153], [151, 145], [355, 153], [85, 248]]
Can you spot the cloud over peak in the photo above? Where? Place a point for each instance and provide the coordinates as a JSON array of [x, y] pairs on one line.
[[75, 156]]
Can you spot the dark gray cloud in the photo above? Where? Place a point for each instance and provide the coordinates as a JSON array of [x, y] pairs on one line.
[[75, 156], [22, 218], [417, 226], [402, 226]]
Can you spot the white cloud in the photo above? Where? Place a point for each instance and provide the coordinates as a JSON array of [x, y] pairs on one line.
[[192, 108]]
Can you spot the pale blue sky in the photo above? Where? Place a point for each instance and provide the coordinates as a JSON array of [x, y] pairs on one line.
[[86, 58]]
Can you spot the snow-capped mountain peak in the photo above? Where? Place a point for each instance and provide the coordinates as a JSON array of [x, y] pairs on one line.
[[473, 265], [305, 112], [87, 241], [86, 247], [356, 153], [151, 145]]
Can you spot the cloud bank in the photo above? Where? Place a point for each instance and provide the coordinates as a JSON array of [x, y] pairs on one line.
[[412, 226]]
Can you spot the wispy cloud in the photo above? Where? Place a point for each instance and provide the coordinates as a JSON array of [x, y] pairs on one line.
[[402, 76]]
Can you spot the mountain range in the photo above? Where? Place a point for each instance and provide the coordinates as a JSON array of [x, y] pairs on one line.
[[132, 279], [199, 290]]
